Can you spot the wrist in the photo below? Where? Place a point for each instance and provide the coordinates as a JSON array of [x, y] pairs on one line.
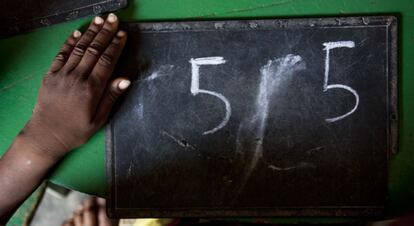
[[41, 141], [25, 148]]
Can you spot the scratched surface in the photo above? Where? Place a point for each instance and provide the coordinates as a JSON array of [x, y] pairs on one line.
[[242, 118], [25, 58], [23, 15]]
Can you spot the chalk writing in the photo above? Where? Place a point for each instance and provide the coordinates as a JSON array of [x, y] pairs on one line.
[[251, 131], [326, 87], [271, 76], [162, 71], [195, 87]]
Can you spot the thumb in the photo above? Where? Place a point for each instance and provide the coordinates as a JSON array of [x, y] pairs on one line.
[[115, 89]]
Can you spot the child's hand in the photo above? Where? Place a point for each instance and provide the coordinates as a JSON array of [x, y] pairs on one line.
[[77, 93], [74, 101]]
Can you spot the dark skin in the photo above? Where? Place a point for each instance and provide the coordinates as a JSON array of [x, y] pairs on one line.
[[75, 100]]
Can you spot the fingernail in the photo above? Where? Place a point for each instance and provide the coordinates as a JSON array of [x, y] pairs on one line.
[[101, 201], [121, 34], [98, 20], [112, 18], [124, 84], [79, 208], [77, 34]]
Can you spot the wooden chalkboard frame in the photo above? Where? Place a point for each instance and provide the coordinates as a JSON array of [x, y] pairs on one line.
[[389, 21], [51, 18]]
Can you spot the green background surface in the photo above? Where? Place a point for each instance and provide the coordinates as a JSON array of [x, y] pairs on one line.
[[25, 58]]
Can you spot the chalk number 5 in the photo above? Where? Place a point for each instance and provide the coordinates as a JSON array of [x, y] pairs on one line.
[[195, 87], [326, 87]]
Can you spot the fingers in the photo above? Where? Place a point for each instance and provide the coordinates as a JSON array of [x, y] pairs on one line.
[[65, 52], [101, 202], [81, 46], [115, 89], [86, 214], [68, 222], [77, 216], [106, 63], [89, 213], [78, 219], [103, 220], [98, 44]]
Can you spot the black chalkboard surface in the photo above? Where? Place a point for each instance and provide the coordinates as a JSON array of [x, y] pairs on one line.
[[256, 118], [23, 15]]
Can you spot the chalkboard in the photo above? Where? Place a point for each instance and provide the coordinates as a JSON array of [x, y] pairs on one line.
[[23, 15], [291, 117]]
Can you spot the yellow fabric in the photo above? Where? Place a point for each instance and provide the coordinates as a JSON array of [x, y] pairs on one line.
[[145, 222]]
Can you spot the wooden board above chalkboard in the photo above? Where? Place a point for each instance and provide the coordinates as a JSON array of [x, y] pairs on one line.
[[24, 15], [255, 118]]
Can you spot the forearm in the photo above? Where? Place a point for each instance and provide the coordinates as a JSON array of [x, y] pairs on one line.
[[22, 169]]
